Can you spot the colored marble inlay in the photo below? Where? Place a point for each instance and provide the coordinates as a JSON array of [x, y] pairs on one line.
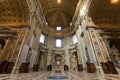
[[59, 76]]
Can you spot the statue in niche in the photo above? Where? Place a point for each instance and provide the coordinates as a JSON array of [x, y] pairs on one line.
[[29, 55], [117, 59], [58, 59], [74, 62], [42, 61], [116, 55]]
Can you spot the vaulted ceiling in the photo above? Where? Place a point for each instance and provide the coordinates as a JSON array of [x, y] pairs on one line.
[[59, 12], [13, 12], [105, 13]]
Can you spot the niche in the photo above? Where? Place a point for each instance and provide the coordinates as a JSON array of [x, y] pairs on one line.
[[2, 43]]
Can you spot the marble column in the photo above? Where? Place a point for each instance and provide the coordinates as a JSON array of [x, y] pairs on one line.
[[80, 51], [99, 45], [50, 45], [96, 48], [104, 49], [66, 45], [108, 48], [9, 50], [16, 66], [35, 46], [49, 57]]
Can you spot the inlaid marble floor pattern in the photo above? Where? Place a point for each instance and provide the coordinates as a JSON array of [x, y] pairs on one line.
[[59, 76]]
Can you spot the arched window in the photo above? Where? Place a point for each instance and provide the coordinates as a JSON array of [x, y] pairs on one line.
[[74, 38], [58, 28], [58, 43], [42, 38]]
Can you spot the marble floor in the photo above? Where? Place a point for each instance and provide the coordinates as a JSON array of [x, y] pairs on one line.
[[59, 76]]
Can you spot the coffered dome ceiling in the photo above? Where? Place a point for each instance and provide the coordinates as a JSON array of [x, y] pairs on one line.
[[105, 13], [59, 12], [13, 12]]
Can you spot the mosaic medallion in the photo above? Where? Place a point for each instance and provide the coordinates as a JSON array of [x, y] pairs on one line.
[[58, 77]]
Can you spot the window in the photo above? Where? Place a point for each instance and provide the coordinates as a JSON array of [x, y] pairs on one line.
[[74, 39], [58, 43], [58, 28], [42, 38]]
